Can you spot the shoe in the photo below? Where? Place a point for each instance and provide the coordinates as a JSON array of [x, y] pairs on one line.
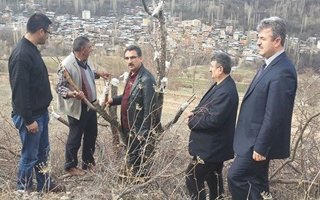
[[91, 168], [26, 191], [75, 171]]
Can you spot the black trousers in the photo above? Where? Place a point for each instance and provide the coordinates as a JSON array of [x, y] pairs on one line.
[[86, 128], [139, 154], [247, 178], [197, 173]]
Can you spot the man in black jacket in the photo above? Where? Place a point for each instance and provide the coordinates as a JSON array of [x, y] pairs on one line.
[[212, 125], [31, 96], [137, 105]]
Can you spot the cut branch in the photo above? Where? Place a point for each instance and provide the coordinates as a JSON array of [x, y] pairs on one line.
[[179, 112], [70, 81], [59, 118], [96, 107]]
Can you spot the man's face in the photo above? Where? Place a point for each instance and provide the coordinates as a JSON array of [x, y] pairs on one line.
[[216, 70], [267, 44], [133, 61], [86, 50], [43, 35]]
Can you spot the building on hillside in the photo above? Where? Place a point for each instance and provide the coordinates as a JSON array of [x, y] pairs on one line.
[[86, 14]]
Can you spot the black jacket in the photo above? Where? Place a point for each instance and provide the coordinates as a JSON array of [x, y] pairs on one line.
[[141, 103], [213, 124], [29, 81]]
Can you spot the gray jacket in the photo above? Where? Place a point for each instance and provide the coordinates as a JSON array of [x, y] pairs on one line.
[[72, 106]]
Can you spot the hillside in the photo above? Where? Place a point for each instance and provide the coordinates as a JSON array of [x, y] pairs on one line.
[[303, 16]]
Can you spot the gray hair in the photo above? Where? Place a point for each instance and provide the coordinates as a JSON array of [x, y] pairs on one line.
[[224, 60], [277, 25], [79, 43]]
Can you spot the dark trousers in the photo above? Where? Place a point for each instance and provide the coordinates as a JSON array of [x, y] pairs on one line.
[[197, 173], [247, 178], [86, 126], [139, 154]]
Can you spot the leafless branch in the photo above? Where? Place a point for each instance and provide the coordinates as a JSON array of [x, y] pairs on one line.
[[295, 147], [9, 150], [179, 112]]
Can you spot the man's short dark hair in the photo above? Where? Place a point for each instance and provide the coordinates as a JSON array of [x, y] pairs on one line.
[[134, 48], [38, 21], [79, 43], [224, 60]]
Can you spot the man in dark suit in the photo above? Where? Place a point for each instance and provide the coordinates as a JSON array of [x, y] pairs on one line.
[[264, 122], [212, 125]]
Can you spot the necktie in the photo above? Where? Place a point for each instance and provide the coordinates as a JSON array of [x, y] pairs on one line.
[[259, 72]]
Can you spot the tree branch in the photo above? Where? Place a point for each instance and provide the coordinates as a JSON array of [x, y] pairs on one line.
[[146, 7], [295, 145], [9, 150], [179, 112], [295, 181]]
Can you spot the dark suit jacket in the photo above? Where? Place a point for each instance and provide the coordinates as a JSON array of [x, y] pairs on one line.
[[141, 102], [264, 122], [212, 126]]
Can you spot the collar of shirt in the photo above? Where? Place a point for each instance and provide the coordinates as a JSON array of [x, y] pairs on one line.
[[133, 75], [269, 60], [82, 64], [31, 44]]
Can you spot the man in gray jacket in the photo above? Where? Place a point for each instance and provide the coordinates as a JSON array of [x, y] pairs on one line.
[[82, 120]]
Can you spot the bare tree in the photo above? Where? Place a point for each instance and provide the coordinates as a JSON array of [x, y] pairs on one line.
[[162, 50], [301, 171]]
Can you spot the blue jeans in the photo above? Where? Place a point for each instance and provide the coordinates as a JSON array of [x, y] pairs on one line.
[[34, 153]]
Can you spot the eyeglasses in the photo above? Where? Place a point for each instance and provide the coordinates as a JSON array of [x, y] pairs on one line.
[[45, 30], [131, 57]]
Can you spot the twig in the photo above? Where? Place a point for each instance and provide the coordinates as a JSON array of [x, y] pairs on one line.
[[179, 112], [295, 181], [312, 184], [295, 146], [9, 150]]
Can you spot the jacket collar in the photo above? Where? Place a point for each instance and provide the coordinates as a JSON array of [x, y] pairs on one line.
[[213, 89], [139, 75], [266, 71]]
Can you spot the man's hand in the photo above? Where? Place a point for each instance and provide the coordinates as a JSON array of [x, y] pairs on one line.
[[78, 95], [33, 127], [109, 101], [189, 115], [258, 157], [103, 74]]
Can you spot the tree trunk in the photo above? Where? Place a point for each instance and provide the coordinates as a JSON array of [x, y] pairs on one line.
[[113, 112], [161, 67]]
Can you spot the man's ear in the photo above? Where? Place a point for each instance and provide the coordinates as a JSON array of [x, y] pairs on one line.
[[278, 41]]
